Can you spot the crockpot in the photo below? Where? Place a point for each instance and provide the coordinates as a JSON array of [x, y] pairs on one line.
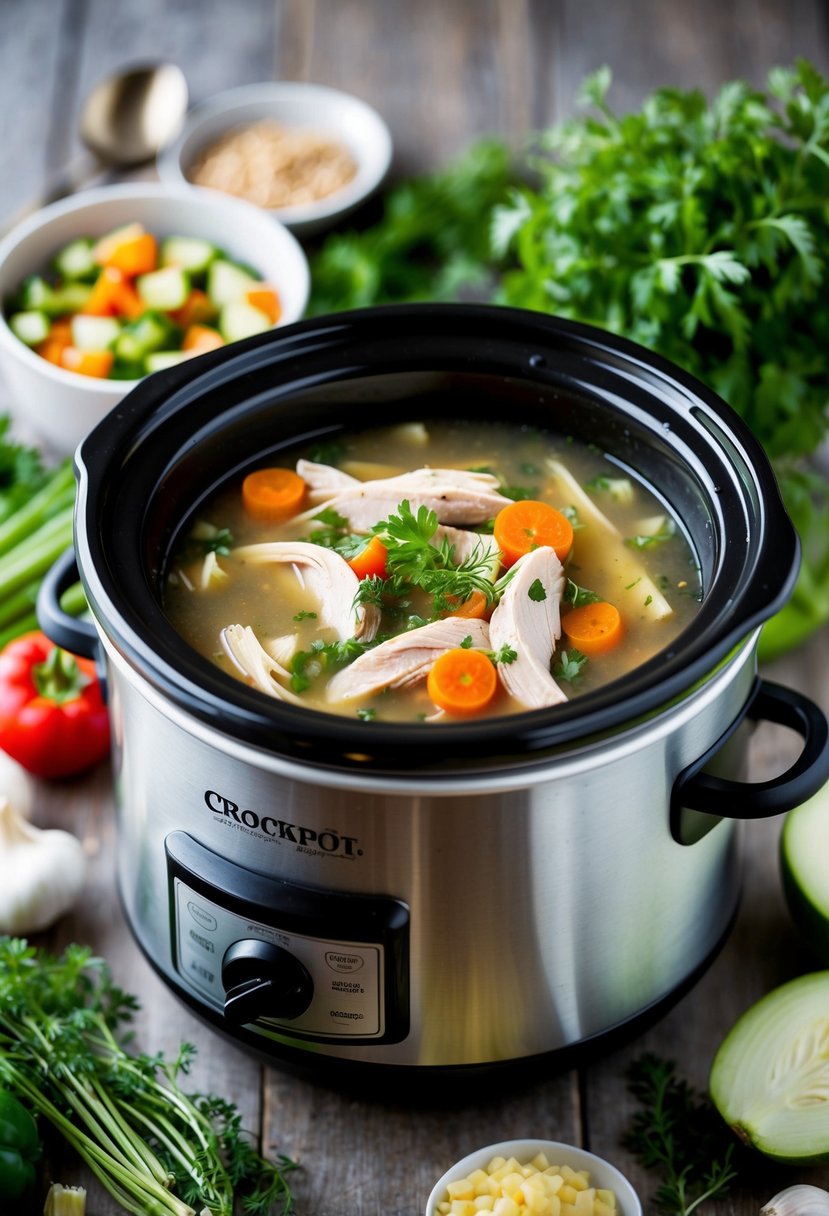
[[367, 896]]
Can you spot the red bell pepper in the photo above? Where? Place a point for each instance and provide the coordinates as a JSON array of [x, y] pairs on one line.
[[53, 719]]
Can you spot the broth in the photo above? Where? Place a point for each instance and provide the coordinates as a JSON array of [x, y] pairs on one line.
[[627, 550]]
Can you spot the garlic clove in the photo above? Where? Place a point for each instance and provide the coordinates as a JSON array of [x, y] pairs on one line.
[[42, 873], [800, 1200]]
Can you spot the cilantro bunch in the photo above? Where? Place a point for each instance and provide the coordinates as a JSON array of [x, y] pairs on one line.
[[700, 229]]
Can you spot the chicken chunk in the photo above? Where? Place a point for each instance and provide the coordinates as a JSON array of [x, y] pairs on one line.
[[328, 578], [457, 496], [528, 620], [405, 659]]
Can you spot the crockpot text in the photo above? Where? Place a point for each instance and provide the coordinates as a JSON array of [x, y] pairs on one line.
[[307, 840]]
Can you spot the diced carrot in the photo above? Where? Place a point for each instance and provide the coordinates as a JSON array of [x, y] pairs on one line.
[[266, 300], [113, 295], [370, 561], [201, 338], [273, 493], [96, 363], [527, 525], [462, 682], [593, 628], [56, 341], [476, 606], [135, 254], [195, 310]]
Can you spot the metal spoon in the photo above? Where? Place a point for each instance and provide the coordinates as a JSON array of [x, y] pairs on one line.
[[126, 121]]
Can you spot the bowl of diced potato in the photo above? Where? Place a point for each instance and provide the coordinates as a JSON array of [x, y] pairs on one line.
[[533, 1178], [120, 282]]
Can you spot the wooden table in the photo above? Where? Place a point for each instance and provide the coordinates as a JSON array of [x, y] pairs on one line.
[[442, 72]]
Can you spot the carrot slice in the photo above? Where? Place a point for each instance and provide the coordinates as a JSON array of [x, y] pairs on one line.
[[266, 300], [96, 363], [195, 310], [137, 254], [200, 338], [476, 606], [371, 561], [527, 525], [55, 342], [462, 682], [273, 493], [113, 295], [594, 628]]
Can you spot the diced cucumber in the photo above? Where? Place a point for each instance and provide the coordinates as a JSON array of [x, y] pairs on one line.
[[68, 299], [166, 289], [161, 359], [34, 292], [238, 320], [188, 253], [226, 282], [139, 338], [76, 260], [31, 327], [94, 333]]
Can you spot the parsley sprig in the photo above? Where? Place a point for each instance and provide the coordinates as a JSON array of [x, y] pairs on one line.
[[677, 1133], [153, 1146], [416, 560]]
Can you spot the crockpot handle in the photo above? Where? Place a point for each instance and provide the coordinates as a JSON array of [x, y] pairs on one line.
[[699, 791], [64, 630]]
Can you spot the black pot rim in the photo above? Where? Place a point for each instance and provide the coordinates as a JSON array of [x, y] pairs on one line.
[[124, 465]]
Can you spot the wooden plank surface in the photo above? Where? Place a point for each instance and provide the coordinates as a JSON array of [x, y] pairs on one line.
[[442, 72]]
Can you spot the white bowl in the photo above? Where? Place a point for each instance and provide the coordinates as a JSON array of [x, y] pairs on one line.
[[344, 118], [602, 1173], [62, 406]]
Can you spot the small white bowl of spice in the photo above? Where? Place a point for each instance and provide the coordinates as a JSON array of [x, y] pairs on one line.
[[543, 1177], [307, 153]]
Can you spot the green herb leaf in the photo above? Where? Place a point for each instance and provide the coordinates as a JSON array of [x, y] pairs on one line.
[[569, 666], [577, 596], [536, 591]]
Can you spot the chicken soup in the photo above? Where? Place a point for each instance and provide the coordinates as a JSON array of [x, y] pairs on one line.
[[433, 572]]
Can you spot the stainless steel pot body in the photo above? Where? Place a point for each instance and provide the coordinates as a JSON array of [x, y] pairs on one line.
[[413, 894], [536, 907]]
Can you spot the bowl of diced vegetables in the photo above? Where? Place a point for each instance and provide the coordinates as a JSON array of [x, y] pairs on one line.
[[544, 1177], [121, 282]]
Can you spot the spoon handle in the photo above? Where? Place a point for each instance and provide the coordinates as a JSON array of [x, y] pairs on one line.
[[61, 184]]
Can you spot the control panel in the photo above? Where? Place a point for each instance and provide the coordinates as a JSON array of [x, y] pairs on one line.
[[273, 955]]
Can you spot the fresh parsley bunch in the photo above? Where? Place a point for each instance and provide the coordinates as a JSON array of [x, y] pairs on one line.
[[698, 229], [702, 231]]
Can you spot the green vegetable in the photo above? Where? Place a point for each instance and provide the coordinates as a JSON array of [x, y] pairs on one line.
[[698, 229], [804, 847], [19, 1148], [414, 561], [31, 327], [675, 1132], [154, 1147], [769, 1076], [569, 665], [65, 1201]]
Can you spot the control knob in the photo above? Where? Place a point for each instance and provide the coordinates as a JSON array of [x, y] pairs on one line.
[[262, 980]]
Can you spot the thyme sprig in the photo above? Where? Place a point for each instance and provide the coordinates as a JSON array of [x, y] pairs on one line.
[[677, 1133]]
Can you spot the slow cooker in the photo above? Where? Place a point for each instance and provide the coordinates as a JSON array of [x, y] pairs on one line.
[[358, 897]]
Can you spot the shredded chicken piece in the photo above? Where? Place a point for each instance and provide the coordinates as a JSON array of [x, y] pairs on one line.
[[531, 625], [244, 649], [328, 577], [405, 659], [457, 496]]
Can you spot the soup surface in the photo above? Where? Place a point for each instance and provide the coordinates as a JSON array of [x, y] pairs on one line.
[[433, 572]]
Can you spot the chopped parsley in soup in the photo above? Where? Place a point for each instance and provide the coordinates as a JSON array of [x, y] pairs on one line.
[[433, 572]]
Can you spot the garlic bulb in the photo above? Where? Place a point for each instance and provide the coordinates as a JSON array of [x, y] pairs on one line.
[[41, 873], [798, 1200], [17, 785]]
